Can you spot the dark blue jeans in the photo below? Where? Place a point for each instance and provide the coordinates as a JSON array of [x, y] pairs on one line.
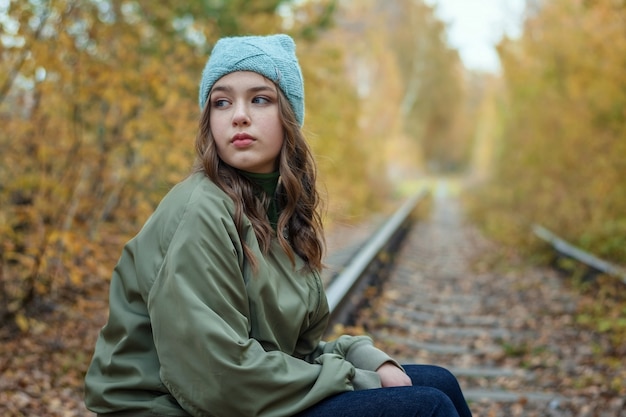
[[435, 393]]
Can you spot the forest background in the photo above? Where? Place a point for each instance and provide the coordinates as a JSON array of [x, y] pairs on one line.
[[98, 114]]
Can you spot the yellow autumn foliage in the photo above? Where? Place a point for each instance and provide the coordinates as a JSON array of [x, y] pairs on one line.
[[98, 108], [562, 135]]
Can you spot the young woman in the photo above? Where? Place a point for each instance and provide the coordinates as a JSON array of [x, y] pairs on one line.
[[216, 306]]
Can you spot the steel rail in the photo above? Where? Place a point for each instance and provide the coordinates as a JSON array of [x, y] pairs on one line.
[[567, 249], [343, 289]]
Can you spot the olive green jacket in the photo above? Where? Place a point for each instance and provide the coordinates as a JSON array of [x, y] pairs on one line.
[[193, 331]]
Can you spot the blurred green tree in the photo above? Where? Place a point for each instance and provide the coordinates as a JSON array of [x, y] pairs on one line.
[[432, 105]]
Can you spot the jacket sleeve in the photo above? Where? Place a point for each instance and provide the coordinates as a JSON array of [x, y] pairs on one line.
[[200, 317], [360, 352]]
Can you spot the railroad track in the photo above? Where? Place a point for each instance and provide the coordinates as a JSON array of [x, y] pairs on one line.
[[565, 249], [507, 335]]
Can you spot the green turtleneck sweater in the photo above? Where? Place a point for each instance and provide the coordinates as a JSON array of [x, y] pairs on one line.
[[268, 183]]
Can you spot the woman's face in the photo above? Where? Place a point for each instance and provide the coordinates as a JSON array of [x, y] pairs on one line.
[[245, 121]]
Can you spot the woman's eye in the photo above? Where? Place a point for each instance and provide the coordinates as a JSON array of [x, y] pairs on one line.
[[261, 100], [220, 103]]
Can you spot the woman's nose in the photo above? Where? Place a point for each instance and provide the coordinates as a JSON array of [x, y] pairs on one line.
[[241, 116]]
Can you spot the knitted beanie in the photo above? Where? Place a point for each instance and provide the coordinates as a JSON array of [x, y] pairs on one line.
[[272, 56]]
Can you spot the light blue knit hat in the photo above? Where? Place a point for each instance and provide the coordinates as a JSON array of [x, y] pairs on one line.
[[272, 56]]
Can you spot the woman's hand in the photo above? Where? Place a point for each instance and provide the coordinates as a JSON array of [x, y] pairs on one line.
[[392, 376]]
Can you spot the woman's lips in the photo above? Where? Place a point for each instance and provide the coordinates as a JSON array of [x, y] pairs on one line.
[[241, 140]]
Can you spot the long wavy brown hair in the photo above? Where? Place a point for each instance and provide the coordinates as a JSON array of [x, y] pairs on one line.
[[299, 226]]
